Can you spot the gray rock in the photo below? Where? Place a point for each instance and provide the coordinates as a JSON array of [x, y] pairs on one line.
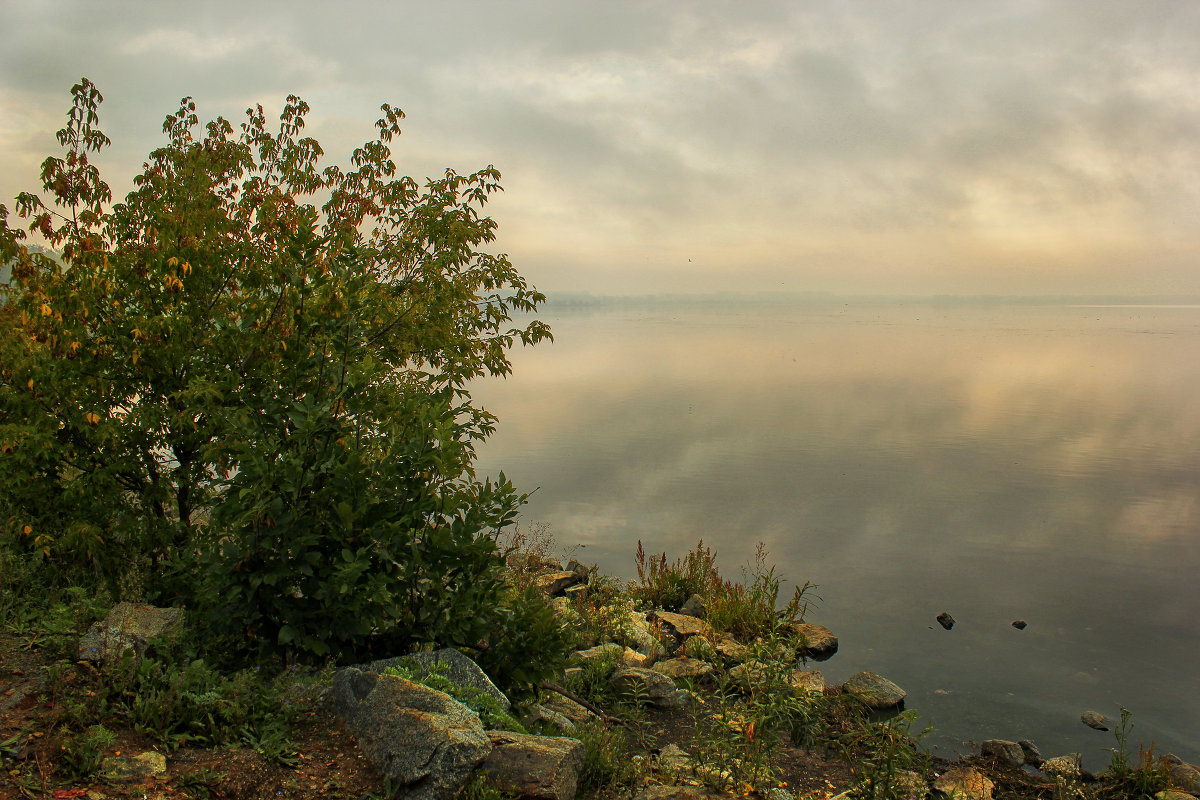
[[1094, 719], [539, 767], [639, 631], [456, 666], [965, 783], [417, 736], [945, 620], [807, 681], [874, 690], [128, 626], [688, 668], [675, 758], [694, 607], [1183, 775], [1004, 750], [648, 686], [622, 655], [131, 769], [814, 641], [1033, 756], [678, 627], [1068, 766], [579, 569], [749, 675], [1174, 794], [1020, 624], [568, 708], [578, 591], [730, 650], [541, 715], [553, 583]]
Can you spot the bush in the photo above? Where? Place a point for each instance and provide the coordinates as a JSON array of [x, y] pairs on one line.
[[226, 396]]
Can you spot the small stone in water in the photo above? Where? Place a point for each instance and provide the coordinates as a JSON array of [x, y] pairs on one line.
[[1094, 719], [945, 620], [1020, 624]]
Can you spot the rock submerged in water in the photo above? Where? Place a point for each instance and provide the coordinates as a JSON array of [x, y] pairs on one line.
[[814, 641], [1094, 719], [1020, 624], [945, 620]]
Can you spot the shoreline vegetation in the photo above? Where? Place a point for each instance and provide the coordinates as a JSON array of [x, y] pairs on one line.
[[683, 683]]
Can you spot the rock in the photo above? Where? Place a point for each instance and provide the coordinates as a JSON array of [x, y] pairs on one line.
[[945, 620], [624, 656], [579, 569], [1033, 756], [701, 648], [965, 783], [689, 668], [128, 626], [553, 583], [1004, 750], [1174, 794], [648, 686], [456, 666], [1094, 719], [567, 707], [678, 627], [1020, 624], [541, 715], [1183, 775], [807, 681], [674, 758], [128, 769], [730, 650], [874, 690], [814, 641], [420, 738], [1068, 766], [694, 607], [576, 592], [911, 785], [749, 675], [639, 631], [540, 767], [778, 793]]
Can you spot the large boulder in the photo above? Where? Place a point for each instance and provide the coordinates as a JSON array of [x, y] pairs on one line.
[[1183, 775], [128, 626], [875, 691], [419, 737], [678, 627], [814, 641], [454, 665], [807, 681], [1004, 751], [540, 767]]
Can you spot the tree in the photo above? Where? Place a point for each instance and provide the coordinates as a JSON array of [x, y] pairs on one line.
[[238, 398]]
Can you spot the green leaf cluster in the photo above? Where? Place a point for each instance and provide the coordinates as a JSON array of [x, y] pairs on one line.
[[245, 388]]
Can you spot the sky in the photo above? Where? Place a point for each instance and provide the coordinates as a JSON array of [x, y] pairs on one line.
[[1016, 147]]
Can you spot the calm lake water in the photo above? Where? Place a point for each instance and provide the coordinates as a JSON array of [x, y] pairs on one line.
[[1000, 462]]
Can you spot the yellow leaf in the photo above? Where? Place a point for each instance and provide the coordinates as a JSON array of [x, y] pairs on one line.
[[172, 261], [134, 357], [93, 418], [27, 530], [136, 334], [46, 310], [30, 384]]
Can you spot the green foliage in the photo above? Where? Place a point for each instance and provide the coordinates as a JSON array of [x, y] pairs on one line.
[[1137, 778], [255, 402], [529, 644], [745, 610], [607, 758], [880, 752], [490, 712], [82, 755], [668, 585]]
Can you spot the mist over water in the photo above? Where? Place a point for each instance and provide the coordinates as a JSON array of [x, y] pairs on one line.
[[998, 462]]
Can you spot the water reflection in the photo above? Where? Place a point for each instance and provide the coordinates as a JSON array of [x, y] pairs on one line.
[[1030, 462]]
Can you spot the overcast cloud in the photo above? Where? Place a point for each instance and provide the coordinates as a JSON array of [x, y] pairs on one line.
[[883, 147]]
